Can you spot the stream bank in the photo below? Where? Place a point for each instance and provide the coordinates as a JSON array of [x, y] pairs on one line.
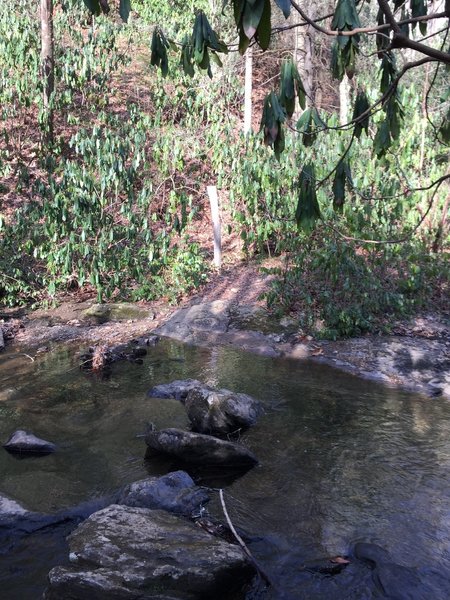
[[416, 357]]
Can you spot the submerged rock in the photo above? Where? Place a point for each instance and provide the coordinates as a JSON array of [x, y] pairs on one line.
[[135, 553], [177, 390], [175, 492], [392, 580], [221, 411], [198, 448], [24, 442]]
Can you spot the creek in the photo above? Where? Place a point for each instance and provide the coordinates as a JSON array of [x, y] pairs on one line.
[[342, 460]]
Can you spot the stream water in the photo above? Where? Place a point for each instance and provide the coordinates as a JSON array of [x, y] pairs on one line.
[[341, 460]]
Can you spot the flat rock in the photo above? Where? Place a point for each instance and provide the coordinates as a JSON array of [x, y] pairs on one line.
[[24, 442], [221, 411], [198, 448], [178, 389], [125, 552], [175, 492], [102, 313]]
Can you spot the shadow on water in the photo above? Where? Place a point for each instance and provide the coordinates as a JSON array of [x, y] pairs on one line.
[[342, 460]]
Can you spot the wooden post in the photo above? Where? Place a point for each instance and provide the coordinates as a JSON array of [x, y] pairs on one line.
[[248, 90], [214, 203]]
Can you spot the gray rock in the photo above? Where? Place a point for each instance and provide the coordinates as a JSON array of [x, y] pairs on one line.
[[221, 411], [174, 492], [371, 553], [24, 442], [134, 553], [178, 390], [198, 448]]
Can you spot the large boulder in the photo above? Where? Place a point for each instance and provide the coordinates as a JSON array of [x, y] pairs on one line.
[[198, 448], [24, 442], [177, 390], [135, 553], [221, 411], [175, 492]]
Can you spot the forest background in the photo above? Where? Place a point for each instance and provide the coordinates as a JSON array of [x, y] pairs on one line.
[[344, 185]]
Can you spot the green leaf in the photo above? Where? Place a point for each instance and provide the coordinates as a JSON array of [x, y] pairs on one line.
[[285, 6], [252, 16], [125, 9], [308, 210], [382, 139], [309, 124], [345, 16], [362, 105], [444, 129], [159, 51], [264, 30], [343, 176], [272, 119], [93, 6]]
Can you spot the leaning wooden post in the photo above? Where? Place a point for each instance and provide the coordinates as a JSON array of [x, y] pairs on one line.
[[214, 203]]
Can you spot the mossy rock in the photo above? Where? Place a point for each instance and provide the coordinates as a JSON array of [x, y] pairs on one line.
[[102, 313]]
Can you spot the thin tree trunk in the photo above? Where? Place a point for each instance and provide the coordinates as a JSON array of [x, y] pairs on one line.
[[47, 65], [248, 90], [304, 53]]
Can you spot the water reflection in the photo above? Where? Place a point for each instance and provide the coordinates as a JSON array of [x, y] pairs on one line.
[[341, 459]]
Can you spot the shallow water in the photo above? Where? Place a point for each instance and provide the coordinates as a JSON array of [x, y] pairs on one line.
[[341, 460]]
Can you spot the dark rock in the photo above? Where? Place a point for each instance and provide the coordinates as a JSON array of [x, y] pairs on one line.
[[221, 411], [371, 553], [178, 390], [139, 352], [175, 492], [134, 553], [23, 442], [397, 582], [198, 448]]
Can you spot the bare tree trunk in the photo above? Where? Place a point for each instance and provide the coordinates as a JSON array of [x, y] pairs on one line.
[[47, 65], [304, 53], [248, 90]]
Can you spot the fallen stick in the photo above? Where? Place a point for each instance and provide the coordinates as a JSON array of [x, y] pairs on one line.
[[2, 340], [241, 542]]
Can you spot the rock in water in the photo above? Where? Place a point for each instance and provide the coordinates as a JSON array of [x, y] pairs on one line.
[[130, 553], [178, 390], [221, 411], [24, 442], [198, 448], [175, 492]]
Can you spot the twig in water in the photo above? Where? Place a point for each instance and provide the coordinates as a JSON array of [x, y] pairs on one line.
[[241, 542]]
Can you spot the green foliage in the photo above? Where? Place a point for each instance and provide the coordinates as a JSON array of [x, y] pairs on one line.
[[272, 119], [337, 290], [291, 85], [308, 211]]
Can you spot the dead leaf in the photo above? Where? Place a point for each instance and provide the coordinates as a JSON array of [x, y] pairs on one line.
[[340, 560]]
